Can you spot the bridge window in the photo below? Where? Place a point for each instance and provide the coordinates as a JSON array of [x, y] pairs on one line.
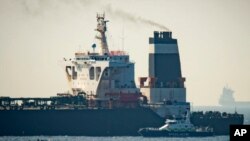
[[91, 73], [98, 72]]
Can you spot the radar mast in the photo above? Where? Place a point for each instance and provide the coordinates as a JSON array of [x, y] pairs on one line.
[[101, 37]]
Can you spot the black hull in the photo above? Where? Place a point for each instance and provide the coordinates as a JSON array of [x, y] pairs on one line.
[[219, 124], [95, 122], [87, 122], [164, 133]]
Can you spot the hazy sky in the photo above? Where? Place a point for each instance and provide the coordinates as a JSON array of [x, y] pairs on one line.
[[213, 38]]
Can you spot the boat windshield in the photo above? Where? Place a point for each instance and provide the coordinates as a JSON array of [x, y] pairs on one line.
[[174, 122], [164, 127]]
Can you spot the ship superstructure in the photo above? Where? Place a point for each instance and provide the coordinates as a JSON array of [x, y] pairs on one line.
[[164, 87], [227, 99], [104, 75]]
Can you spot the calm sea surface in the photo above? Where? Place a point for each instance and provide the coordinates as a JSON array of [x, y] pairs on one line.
[[245, 111], [67, 138]]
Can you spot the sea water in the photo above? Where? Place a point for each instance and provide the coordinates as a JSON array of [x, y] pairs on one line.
[[83, 138]]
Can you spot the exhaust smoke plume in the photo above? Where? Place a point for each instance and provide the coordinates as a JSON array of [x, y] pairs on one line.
[[37, 7], [132, 18]]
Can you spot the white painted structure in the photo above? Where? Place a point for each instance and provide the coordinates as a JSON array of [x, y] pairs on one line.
[[158, 95], [98, 74]]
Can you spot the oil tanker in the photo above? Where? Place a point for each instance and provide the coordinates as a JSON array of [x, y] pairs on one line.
[[104, 99]]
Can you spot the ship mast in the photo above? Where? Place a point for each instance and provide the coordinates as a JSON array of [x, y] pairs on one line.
[[101, 29]]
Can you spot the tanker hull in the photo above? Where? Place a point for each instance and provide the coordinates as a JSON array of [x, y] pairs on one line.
[[98, 122], [85, 122]]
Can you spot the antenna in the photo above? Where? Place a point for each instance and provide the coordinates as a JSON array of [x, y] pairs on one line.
[[191, 106], [79, 48], [235, 110], [122, 37]]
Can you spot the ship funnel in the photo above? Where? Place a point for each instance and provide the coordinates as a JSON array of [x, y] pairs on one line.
[[101, 37]]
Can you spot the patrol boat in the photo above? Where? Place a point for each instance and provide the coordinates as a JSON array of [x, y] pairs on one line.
[[177, 128]]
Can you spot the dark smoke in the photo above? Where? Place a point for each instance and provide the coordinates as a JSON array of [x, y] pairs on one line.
[[127, 16], [38, 7]]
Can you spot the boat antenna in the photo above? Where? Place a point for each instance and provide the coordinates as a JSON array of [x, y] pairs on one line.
[[235, 110], [122, 37]]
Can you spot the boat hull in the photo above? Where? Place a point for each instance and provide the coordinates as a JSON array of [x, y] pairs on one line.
[[165, 133], [212, 120]]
